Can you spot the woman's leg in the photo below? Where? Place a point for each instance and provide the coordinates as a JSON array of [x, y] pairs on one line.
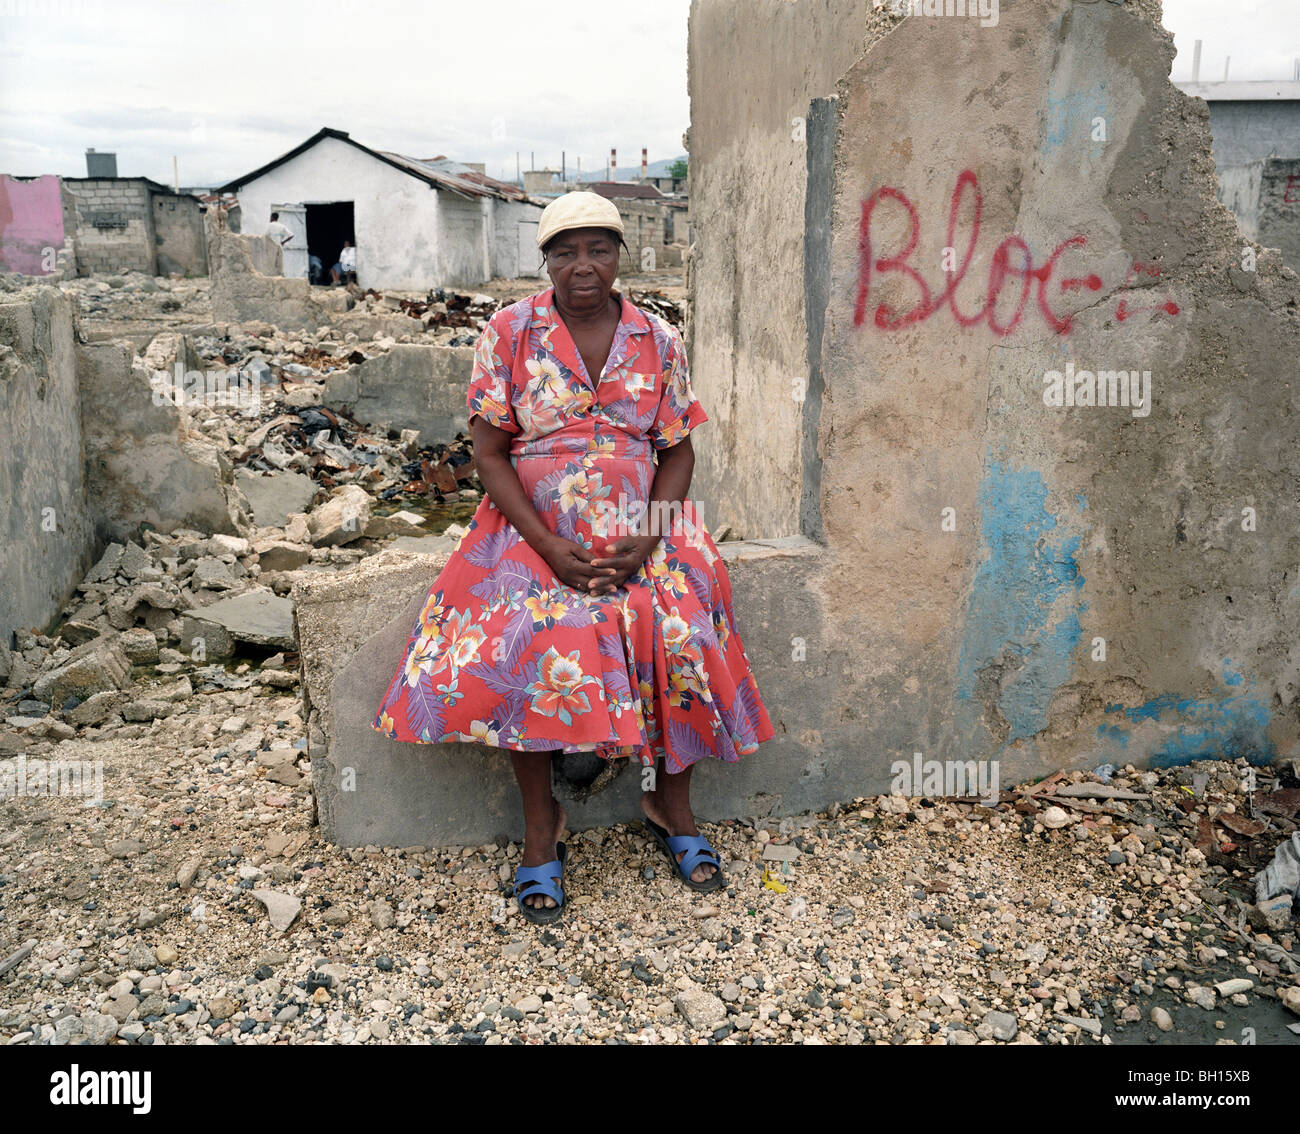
[[669, 805], [544, 818]]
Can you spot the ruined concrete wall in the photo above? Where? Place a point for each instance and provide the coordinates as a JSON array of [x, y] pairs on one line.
[[143, 464], [178, 229], [1264, 196], [395, 216], [46, 536], [1051, 583], [753, 69], [1239, 191], [645, 225], [246, 281], [412, 386], [115, 225]]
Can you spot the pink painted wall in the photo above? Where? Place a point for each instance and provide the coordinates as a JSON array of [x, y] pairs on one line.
[[31, 220]]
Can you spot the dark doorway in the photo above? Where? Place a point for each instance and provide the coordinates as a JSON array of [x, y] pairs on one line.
[[328, 225]]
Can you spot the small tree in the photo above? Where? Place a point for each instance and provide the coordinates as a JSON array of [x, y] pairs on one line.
[[678, 169]]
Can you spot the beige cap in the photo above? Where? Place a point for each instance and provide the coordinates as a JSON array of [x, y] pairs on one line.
[[577, 210]]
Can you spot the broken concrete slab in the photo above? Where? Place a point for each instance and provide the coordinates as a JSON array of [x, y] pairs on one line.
[[143, 464], [413, 386], [273, 497], [342, 518], [986, 550], [423, 545], [201, 639], [98, 666], [280, 555], [258, 616]]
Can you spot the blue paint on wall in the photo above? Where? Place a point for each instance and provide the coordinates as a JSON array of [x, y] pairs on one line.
[[1025, 603], [1113, 733], [1070, 116], [1223, 728]]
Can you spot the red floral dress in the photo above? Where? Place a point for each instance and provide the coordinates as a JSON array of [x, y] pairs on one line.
[[505, 654]]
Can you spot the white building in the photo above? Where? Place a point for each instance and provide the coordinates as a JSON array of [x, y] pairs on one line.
[[416, 222]]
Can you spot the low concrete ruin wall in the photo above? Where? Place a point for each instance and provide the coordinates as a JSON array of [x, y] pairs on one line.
[[412, 386], [352, 629], [47, 538], [91, 453], [247, 285], [143, 463]]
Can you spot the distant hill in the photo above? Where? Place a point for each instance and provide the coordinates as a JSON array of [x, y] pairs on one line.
[[633, 172]]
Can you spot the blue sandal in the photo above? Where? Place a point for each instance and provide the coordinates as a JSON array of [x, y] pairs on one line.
[[542, 880], [698, 851]]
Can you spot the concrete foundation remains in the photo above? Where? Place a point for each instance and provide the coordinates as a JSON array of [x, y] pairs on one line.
[[247, 285], [94, 452], [352, 628], [48, 537], [412, 386]]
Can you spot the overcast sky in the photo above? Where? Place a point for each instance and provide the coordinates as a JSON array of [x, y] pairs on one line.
[[226, 87]]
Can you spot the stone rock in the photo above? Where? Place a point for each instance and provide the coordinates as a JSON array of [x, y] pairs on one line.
[[280, 555], [75, 633], [259, 616], [140, 646], [700, 1009], [998, 1026], [106, 568], [1162, 1019], [96, 708], [121, 1007], [280, 908], [1054, 818], [275, 496], [213, 574], [214, 639], [342, 518], [95, 667]]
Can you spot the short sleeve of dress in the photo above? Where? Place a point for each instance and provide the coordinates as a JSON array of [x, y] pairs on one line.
[[679, 411], [489, 383]]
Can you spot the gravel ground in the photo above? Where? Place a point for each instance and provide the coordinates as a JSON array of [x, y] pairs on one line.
[[889, 920]]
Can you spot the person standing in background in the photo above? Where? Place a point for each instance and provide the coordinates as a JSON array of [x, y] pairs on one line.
[[347, 264], [281, 233]]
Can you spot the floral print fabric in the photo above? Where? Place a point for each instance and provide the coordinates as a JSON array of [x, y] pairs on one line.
[[505, 654]]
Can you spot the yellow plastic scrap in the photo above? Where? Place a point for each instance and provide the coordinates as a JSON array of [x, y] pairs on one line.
[[772, 882]]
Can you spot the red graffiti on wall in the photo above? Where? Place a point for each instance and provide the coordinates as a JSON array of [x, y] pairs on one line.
[[1291, 194], [1012, 263], [1123, 311]]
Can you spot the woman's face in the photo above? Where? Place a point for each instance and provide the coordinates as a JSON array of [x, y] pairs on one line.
[[582, 264]]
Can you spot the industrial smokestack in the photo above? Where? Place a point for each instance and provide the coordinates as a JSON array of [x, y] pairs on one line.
[[1196, 62], [643, 164], [613, 162]]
